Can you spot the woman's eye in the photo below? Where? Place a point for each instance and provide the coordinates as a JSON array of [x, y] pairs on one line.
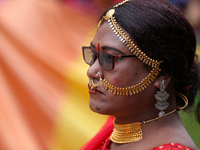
[[108, 58], [117, 59]]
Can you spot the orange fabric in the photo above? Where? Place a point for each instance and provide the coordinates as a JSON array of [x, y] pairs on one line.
[[39, 40]]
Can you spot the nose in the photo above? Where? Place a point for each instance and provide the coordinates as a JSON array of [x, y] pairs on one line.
[[95, 70]]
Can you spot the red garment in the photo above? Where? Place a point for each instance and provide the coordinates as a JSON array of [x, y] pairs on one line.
[[170, 146], [104, 133], [101, 140]]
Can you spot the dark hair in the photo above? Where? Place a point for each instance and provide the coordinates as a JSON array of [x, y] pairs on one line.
[[162, 32]]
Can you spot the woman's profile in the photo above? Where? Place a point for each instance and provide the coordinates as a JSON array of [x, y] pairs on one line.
[[143, 70]]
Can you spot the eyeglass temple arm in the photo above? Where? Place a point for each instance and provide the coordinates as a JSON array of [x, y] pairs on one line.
[[122, 56]]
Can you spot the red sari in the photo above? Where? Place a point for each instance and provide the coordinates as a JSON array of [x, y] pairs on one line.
[[101, 140]]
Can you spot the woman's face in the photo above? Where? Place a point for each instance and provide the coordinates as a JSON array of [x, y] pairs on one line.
[[127, 72]]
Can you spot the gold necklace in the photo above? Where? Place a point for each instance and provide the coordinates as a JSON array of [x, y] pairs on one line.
[[128, 133]]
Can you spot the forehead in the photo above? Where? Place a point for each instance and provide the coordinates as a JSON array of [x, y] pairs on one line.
[[106, 37]]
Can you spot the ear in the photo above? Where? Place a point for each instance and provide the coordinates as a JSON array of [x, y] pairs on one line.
[[167, 79]]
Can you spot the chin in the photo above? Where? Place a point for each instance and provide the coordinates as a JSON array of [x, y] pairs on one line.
[[98, 109], [94, 107], [99, 106]]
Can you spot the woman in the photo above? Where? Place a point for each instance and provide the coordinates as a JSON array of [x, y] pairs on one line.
[[142, 71]]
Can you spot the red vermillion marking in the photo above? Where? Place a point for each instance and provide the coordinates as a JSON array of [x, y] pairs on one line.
[[98, 46]]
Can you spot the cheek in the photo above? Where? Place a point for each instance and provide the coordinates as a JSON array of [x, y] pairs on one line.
[[125, 78], [117, 81]]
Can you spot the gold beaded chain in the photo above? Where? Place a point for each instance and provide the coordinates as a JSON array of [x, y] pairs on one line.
[[128, 41], [130, 44], [133, 89], [133, 48], [128, 133]]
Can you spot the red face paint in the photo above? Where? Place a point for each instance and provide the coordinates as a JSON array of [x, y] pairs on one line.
[[98, 46]]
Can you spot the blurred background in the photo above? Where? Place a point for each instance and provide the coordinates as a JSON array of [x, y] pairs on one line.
[[43, 83]]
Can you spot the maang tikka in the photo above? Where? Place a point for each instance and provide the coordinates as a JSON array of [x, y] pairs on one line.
[[162, 97]]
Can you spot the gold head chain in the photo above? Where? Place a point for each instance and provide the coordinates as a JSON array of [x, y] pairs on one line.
[[125, 39]]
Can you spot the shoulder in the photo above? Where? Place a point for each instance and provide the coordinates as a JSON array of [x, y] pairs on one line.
[[172, 146]]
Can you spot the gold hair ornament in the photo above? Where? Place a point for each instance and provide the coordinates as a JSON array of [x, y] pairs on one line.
[[128, 133], [133, 48]]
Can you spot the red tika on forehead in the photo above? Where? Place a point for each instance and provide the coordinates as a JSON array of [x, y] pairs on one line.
[[98, 46]]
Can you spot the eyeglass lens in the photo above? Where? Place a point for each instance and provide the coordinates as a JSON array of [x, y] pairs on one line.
[[105, 60], [89, 56]]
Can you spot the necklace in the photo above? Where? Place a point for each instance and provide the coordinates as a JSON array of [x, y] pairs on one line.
[[128, 133]]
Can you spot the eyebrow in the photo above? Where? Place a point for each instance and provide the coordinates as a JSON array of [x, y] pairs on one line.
[[107, 47]]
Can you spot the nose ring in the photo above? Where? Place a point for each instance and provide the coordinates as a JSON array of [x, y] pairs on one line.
[[95, 85]]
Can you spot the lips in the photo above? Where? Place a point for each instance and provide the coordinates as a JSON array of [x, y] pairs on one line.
[[94, 91]]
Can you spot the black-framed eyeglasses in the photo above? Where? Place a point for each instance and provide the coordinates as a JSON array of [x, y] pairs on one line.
[[106, 60]]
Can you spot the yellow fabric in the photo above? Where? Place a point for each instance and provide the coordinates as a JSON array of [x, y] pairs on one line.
[[43, 83], [76, 123]]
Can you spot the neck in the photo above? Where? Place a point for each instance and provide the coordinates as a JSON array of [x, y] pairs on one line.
[[145, 114], [132, 132], [153, 133], [149, 115]]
